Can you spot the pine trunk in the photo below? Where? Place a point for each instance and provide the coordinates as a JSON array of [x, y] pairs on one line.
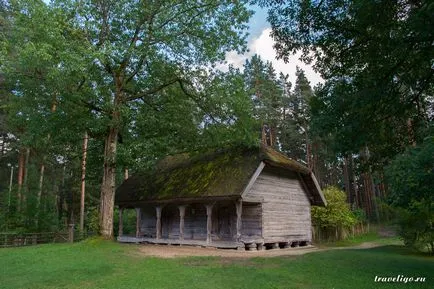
[[411, 134], [308, 151], [347, 179], [41, 182], [38, 200]]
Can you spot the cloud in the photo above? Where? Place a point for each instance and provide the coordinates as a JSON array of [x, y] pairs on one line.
[[263, 46]]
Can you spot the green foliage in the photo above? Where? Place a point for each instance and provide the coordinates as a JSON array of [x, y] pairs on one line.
[[283, 114], [360, 215], [416, 226], [411, 182], [376, 59], [93, 219], [143, 69], [336, 214]]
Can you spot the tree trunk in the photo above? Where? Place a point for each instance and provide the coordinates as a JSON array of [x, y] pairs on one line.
[[316, 164], [38, 200], [25, 179], [273, 135], [411, 134], [374, 196], [83, 181], [61, 204], [263, 135], [347, 179], [308, 151], [21, 161], [108, 184], [109, 174], [41, 182]]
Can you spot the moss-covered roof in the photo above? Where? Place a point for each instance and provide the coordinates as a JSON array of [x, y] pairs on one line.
[[223, 173]]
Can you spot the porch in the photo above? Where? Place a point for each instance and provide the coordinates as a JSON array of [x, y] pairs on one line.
[[199, 243], [215, 223]]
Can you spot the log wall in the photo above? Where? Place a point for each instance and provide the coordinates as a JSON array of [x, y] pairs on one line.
[[285, 207], [223, 221], [251, 227], [148, 222]]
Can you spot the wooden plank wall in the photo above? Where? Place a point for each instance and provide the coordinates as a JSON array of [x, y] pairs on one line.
[[195, 221], [170, 222], [251, 227], [286, 208], [148, 221], [224, 225]]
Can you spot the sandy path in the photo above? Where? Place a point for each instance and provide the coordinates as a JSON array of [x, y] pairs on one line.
[[168, 251]]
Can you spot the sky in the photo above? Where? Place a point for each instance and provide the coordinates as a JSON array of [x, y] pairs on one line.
[[260, 42]]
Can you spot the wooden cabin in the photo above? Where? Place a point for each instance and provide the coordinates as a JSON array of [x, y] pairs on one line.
[[239, 198]]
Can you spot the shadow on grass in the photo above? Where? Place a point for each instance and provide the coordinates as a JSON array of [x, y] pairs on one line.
[[400, 250]]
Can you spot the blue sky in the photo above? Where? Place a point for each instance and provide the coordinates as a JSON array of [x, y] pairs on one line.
[[261, 43], [258, 22]]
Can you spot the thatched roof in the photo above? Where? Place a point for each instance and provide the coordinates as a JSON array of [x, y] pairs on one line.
[[220, 174]]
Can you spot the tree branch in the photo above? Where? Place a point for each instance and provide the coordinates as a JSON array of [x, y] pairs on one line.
[[196, 100], [152, 90]]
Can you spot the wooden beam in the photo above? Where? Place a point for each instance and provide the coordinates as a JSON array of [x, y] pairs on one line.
[[253, 179], [318, 188], [138, 221], [239, 210], [181, 221], [208, 223], [121, 225], [158, 225], [254, 199]]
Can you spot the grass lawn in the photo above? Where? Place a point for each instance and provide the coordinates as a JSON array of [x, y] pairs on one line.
[[103, 264], [357, 240]]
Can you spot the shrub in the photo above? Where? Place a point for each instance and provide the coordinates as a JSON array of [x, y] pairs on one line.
[[335, 220], [410, 178], [337, 213]]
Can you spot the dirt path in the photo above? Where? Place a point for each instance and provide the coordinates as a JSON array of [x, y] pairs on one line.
[[167, 251]]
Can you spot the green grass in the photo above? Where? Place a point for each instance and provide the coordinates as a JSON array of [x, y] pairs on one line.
[[368, 237], [101, 264]]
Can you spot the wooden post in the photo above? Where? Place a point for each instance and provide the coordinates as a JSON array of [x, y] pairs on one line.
[[158, 226], [71, 233], [121, 224], [208, 223], [138, 212], [181, 221], [239, 210]]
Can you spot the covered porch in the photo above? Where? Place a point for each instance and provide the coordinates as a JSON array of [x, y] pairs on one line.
[[214, 223]]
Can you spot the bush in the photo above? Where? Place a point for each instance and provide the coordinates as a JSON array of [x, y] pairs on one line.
[[337, 213], [410, 178], [416, 227], [335, 220]]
